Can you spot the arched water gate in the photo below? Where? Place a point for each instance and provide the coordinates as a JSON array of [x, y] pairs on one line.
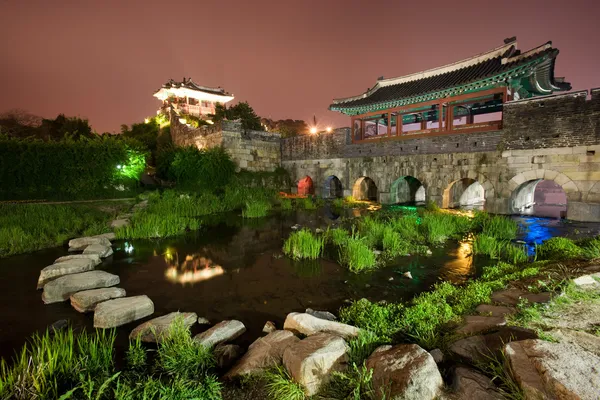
[[365, 189], [407, 189], [332, 188], [539, 197], [464, 193], [305, 186]]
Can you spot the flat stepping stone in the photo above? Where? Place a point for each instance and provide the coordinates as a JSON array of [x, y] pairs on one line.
[[117, 312], [119, 223], [222, 332], [470, 384], [476, 323], [495, 311], [99, 249], [87, 300], [68, 267], [588, 281], [94, 257], [60, 289], [307, 324], [509, 297], [83, 242], [479, 348], [158, 328]]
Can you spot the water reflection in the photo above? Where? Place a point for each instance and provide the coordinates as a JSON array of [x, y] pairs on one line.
[[460, 265], [195, 268]]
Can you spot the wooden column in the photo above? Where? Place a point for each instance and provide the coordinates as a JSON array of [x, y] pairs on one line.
[[389, 132], [449, 117], [441, 115], [398, 124], [353, 129], [362, 129]]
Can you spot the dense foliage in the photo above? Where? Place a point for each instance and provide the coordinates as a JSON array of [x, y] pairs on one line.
[[69, 168], [21, 124], [241, 111]]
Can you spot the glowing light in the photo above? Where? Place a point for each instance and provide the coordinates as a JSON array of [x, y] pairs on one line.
[[329, 129], [209, 121], [313, 130], [195, 268], [128, 248], [147, 120], [119, 166]]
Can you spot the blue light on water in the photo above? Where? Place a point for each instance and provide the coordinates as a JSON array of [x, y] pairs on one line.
[[535, 230]]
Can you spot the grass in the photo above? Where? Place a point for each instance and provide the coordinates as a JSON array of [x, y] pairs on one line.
[[30, 227], [280, 385], [307, 203], [286, 204], [354, 384], [145, 224], [438, 227], [338, 236], [499, 249], [371, 229], [499, 227], [393, 244], [558, 248], [362, 346], [356, 255], [338, 203], [590, 248], [303, 244], [502, 375], [136, 356], [256, 209]]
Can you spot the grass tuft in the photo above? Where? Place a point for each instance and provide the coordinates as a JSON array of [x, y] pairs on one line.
[[303, 244], [280, 385]]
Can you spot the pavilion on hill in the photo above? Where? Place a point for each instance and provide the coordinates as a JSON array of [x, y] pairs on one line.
[[188, 97], [465, 96]]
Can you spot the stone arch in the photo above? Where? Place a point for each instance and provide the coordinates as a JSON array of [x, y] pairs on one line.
[[306, 186], [332, 188], [464, 192], [407, 189], [539, 197], [365, 189], [568, 186]]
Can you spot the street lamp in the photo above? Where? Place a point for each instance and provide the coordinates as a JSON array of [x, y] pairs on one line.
[[313, 130]]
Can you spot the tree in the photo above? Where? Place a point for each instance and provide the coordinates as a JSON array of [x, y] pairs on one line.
[[286, 127], [61, 126], [241, 111]]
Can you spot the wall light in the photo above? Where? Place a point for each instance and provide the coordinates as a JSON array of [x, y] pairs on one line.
[[328, 129], [313, 130]]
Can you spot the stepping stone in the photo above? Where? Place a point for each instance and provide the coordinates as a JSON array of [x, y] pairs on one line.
[[587, 281], [470, 384], [405, 371], [509, 297], [264, 353], [539, 298], [312, 361], [94, 257], [158, 328], [83, 242], [222, 332], [588, 342], [117, 312], [87, 300], [227, 354], [68, 267], [478, 348], [475, 324], [99, 249], [119, 223], [308, 325], [108, 235], [60, 289], [494, 311]]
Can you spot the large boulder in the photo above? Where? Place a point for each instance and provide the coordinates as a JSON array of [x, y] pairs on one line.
[[312, 361], [117, 312], [405, 371], [60, 289], [266, 352], [222, 332], [586, 341], [470, 384], [307, 324], [86, 300], [156, 329], [554, 370], [99, 249], [81, 243], [68, 267], [94, 257]]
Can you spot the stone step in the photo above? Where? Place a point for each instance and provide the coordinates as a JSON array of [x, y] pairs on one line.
[[156, 329], [60, 289], [477, 323], [81, 243], [87, 300], [68, 267], [495, 311], [94, 257], [117, 312], [307, 324], [99, 249], [512, 297], [222, 332]]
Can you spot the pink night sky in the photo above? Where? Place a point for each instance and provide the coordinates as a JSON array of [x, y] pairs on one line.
[[102, 60]]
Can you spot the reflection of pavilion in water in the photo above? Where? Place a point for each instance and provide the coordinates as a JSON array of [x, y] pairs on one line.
[[195, 268]]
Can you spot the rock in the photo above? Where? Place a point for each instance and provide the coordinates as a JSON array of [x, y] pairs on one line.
[[509, 297], [312, 361], [308, 325], [586, 282], [157, 328], [470, 384], [391, 278], [377, 252], [321, 314], [494, 311], [94, 257], [476, 323], [269, 327], [86, 300], [428, 252], [405, 371], [554, 370], [117, 312], [83, 242], [266, 352], [60, 289], [474, 349], [58, 325], [222, 332], [99, 249], [543, 297], [108, 235], [227, 354], [203, 321], [586, 341], [437, 355], [119, 223], [64, 268], [318, 230], [407, 274]]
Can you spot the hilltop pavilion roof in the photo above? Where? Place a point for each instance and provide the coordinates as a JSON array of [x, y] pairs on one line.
[[189, 88], [504, 65]]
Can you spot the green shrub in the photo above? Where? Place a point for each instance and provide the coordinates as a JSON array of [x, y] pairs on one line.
[[371, 230], [338, 203], [558, 248], [590, 248], [338, 236], [362, 346], [256, 209], [303, 244], [280, 385], [308, 203], [286, 204], [355, 383], [356, 255], [208, 169], [382, 320], [136, 355]]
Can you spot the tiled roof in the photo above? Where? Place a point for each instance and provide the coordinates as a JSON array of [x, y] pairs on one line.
[[189, 84], [486, 65]]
